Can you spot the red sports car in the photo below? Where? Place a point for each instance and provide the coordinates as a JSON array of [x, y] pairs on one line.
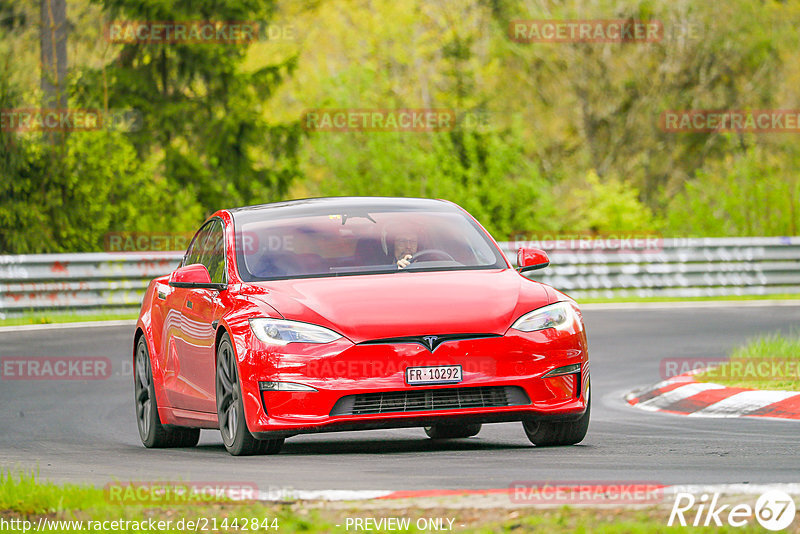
[[334, 314]]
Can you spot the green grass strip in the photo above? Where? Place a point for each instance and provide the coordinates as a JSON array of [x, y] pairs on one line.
[[771, 361]]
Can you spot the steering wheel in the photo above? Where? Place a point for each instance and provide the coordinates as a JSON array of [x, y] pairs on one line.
[[431, 252]]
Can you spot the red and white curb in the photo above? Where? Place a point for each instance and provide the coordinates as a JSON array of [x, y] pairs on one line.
[[683, 395]]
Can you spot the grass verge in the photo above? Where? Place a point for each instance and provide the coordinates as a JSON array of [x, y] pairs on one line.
[[58, 317], [768, 362], [780, 296], [26, 501]]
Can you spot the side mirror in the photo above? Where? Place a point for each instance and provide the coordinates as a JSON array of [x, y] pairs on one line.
[[529, 259], [193, 276]]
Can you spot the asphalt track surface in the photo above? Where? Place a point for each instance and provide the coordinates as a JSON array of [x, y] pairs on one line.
[[85, 431]]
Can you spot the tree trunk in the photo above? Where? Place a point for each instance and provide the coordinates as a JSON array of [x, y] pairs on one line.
[[54, 31]]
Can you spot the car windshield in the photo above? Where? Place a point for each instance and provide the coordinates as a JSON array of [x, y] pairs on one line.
[[333, 239]]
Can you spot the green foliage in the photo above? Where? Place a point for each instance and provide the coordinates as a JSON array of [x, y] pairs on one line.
[[572, 142], [484, 172], [753, 193], [202, 111], [204, 141], [67, 198], [607, 207], [566, 110], [597, 106], [769, 362]]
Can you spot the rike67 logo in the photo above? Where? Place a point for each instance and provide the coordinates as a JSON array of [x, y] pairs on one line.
[[774, 510]]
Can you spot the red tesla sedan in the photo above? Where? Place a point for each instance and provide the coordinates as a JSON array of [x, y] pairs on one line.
[[335, 314]]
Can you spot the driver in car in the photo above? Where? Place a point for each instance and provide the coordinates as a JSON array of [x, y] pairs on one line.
[[400, 242], [405, 246]]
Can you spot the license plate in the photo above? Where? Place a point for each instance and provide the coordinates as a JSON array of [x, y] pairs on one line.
[[433, 374]]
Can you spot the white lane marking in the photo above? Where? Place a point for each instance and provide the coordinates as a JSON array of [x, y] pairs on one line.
[[50, 326], [600, 306], [290, 494], [743, 402], [677, 394]]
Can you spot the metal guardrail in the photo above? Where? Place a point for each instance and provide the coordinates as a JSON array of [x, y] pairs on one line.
[[680, 267], [668, 268], [79, 282]]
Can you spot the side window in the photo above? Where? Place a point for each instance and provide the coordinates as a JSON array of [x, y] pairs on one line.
[[195, 249], [213, 255]]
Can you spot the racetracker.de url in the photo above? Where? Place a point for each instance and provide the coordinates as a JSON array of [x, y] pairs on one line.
[[200, 524]]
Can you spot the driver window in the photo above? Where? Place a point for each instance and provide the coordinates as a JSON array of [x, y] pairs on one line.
[[194, 251], [213, 253]]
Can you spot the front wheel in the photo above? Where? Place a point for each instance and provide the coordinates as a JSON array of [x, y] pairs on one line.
[[230, 409], [550, 434], [450, 431], [151, 431]]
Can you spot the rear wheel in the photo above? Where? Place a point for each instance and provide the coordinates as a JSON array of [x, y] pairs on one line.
[[230, 409], [451, 431], [551, 434], [151, 431]]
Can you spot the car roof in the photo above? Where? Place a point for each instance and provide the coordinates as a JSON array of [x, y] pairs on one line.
[[321, 205]]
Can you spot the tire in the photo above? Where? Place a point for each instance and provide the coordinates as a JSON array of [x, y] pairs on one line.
[[230, 409], [550, 434], [452, 431], [154, 435]]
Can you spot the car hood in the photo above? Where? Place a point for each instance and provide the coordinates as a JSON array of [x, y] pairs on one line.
[[365, 307]]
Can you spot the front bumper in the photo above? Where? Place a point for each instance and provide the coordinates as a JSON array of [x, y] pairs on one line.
[[347, 377]]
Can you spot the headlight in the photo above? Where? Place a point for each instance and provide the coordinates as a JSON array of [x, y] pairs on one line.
[[282, 332], [559, 315]]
